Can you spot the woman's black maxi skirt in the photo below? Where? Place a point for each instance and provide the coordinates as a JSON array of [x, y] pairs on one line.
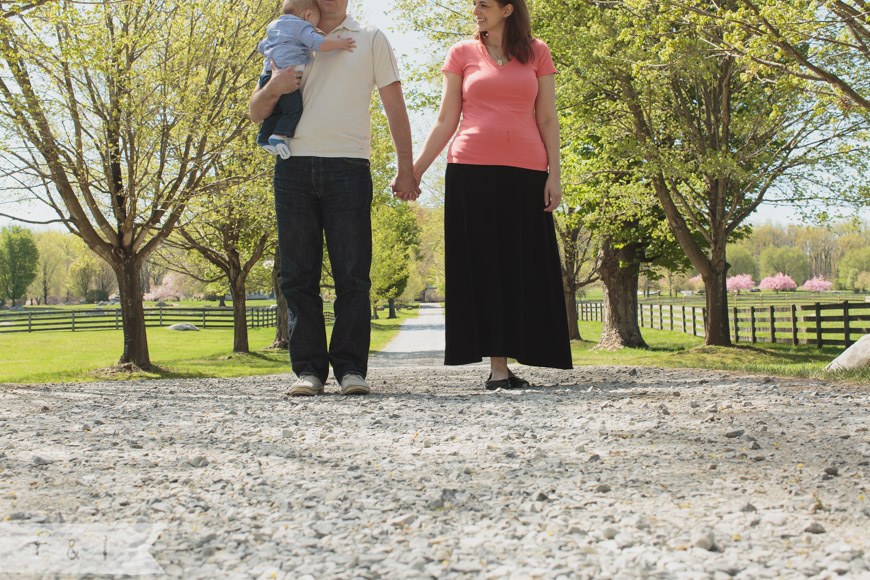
[[503, 275]]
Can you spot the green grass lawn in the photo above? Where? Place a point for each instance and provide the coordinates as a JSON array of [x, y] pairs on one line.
[[675, 349], [43, 357]]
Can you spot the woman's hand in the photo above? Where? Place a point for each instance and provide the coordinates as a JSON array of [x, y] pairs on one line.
[[552, 193]]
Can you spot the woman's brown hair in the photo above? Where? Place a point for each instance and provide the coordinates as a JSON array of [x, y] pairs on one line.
[[517, 31]]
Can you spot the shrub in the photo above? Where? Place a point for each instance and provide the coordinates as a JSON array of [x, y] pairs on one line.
[[96, 295]]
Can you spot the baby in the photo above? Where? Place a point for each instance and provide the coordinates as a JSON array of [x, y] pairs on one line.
[[288, 42]]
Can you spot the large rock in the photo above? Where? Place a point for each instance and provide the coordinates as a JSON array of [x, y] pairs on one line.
[[856, 356], [182, 326]]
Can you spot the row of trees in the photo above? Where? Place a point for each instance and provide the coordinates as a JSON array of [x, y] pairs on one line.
[[129, 122], [679, 118]]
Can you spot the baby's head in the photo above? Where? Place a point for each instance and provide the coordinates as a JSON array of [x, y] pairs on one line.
[[305, 9]]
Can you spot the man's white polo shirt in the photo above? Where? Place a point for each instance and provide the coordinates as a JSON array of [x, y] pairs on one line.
[[336, 93]]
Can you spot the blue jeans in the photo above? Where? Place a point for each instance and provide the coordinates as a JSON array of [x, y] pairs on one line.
[[332, 196], [284, 117]]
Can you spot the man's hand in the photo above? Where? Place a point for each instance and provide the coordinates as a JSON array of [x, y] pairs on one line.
[[263, 100], [405, 187], [284, 80]]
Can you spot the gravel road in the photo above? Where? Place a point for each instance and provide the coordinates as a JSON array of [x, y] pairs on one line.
[[599, 472]]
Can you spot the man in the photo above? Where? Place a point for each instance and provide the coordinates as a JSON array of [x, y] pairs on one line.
[[325, 187]]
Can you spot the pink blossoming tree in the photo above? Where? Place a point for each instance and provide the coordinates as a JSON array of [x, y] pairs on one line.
[[779, 282], [739, 282], [818, 284]]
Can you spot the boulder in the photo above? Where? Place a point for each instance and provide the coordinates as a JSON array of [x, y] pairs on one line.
[[161, 304], [855, 357], [182, 326]]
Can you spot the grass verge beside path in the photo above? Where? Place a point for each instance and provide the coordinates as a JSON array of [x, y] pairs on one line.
[[54, 357], [678, 350]]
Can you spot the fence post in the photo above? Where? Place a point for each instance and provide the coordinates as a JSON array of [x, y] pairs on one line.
[[160, 309], [847, 333], [819, 323], [794, 339], [704, 320], [736, 328], [694, 322], [661, 314], [203, 317], [752, 324], [29, 321], [772, 325], [73, 320], [641, 315], [671, 314], [683, 317]]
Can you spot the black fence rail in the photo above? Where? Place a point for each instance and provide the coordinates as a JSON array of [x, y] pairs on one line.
[[818, 323], [110, 319]]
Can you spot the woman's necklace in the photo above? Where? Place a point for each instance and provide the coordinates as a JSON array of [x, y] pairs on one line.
[[500, 59]]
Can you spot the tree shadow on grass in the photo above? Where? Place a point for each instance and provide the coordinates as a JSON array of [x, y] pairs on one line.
[[769, 355]]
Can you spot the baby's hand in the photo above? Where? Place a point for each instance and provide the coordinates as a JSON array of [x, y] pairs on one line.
[[347, 44]]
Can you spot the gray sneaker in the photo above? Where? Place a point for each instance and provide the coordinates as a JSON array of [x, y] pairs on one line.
[[354, 384], [306, 386]]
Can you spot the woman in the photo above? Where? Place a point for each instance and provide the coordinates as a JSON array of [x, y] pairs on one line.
[[503, 277]]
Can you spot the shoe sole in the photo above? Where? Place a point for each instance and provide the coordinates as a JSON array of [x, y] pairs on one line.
[[302, 391], [356, 390]]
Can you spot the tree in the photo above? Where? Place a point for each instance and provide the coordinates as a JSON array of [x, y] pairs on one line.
[[790, 261], [862, 282], [818, 284], [19, 258], [395, 233], [231, 228], [81, 275], [52, 267], [850, 267], [739, 282], [778, 282], [715, 141], [395, 236], [740, 261], [120, 112], [824, 42]]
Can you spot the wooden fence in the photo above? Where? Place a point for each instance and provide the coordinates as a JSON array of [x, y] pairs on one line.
[[110, 319], [817, 323]]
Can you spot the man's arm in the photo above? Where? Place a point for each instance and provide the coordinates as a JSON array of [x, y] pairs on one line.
[[404, 185], [263, 100]]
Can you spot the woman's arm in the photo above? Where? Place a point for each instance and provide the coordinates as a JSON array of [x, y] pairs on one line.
[[263, 100], [445, 125], [548, 126]]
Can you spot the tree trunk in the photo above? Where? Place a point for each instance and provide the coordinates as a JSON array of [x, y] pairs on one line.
[[222, 301], [282, 331], [240, 319], [392, 303], [619, 269], [132, 314], [375, 311], [571, 307], [718, 332]]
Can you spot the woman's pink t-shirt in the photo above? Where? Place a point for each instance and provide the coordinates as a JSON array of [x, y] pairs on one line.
[[498, 107]]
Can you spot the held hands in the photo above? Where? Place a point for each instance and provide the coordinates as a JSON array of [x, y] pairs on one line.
[[405, 186], [284, 80], [552, 193]]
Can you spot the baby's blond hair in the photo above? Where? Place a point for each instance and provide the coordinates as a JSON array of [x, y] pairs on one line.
[[298, 7]]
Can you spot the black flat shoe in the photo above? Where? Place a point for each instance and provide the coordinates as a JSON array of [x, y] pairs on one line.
[[518, 383], [492, 385]]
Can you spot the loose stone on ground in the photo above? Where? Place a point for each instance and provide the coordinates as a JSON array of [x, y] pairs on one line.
[[431, 476]]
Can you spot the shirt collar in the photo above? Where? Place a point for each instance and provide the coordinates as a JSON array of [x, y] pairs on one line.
[[349, 24]]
